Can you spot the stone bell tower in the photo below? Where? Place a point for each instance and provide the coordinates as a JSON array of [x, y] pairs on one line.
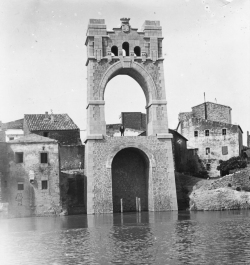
[[138, 54]]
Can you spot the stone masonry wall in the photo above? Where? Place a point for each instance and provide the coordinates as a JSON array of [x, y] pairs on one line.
[[71, 157], [33, 200], [161, 183], [215, 112]]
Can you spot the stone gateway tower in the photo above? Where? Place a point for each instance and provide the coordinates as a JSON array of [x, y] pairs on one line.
[[128, 167]]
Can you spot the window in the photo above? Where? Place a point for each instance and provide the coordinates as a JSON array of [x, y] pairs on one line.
[[44, 158], [125, 47], [20, 186], [137, 51], [11, 138], [44, 184], [19, 157], [207, 150], [46, 134], [224, 150], [206, 132], [208, 167], [114, 50], [196, 134], [224, 131]]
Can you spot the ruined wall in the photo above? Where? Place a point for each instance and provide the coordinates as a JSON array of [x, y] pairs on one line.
[[33, 200], [71, 157], [215, 141], [65, 137], [161, 183], [215, 112]]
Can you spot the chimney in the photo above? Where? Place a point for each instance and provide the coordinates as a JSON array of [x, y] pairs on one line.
[[46, 116], [52, 118]]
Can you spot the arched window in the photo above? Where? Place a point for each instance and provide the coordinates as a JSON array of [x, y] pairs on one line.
[[125, 47], [114, 51], [137, 51]]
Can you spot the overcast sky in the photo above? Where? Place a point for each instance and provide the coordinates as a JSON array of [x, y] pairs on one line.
[[42, 56]]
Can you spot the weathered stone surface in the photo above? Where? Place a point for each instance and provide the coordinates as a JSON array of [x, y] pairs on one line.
[[161, 183], [221, 194], [213, 112], [33, 199]]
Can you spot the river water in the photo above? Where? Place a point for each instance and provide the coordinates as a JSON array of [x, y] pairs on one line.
[[130, 238]]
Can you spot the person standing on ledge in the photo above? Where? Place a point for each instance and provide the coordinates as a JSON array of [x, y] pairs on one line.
[[122, 129]]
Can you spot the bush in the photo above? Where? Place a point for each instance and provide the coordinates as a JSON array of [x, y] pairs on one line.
[[229, 185], [230, 164], [238, 189]]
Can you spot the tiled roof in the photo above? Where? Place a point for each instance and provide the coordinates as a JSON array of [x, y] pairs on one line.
[[33, 138], [37, 122], [18, 124]]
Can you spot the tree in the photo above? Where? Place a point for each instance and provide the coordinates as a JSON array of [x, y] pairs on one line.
[[230, 164]]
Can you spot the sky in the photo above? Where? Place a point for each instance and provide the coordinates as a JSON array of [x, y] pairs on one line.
[[206, 48]]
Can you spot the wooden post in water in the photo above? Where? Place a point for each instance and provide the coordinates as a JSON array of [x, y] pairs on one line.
[[139, 204], [136, 203], [121, 206]]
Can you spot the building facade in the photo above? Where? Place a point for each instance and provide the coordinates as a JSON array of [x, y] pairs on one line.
[[30, 177], [208, 129]]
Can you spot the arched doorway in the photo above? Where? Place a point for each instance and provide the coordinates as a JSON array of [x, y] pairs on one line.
[[130, 171]]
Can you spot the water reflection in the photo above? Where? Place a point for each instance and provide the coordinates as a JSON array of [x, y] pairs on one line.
[[129, 238]]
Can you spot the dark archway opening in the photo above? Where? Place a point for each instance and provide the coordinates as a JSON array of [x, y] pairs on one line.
[[137, 51], [130, 171], [114, 51], [125, 47]]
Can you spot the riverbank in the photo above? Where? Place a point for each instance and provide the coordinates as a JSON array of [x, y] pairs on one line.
[[226, 193]]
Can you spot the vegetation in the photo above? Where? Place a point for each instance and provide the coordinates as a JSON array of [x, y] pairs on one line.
[[196, 168], [230, 164]]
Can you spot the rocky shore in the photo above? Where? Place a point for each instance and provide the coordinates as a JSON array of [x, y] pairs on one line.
[[227, 193]]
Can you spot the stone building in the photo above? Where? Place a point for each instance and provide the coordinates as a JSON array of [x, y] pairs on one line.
[[30, 176], [208, 129], [127, 167], [40, 177], [55, 126]]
